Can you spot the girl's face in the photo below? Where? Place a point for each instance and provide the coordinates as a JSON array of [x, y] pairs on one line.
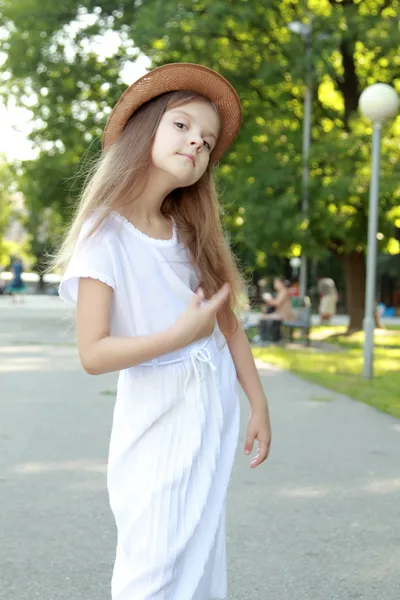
[[184, 141]]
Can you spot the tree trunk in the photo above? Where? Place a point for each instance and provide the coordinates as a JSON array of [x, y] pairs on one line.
[[40, 284], [354, 274], [40, 267], [355, 281]]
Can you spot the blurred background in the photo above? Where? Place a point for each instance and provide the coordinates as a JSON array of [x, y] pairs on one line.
[[299, 68]]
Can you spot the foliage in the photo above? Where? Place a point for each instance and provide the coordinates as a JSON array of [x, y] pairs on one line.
[[45, 196], [389, 265], [60, 69], [6, 185], [65, 85], [10, 248]]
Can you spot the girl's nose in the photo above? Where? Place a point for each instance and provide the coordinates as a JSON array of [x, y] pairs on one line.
[[197, 142]]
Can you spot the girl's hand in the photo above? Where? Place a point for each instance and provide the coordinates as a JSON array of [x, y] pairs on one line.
[[258, 428], [198, 319]]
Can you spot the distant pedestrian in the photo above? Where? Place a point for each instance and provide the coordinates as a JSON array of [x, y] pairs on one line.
[[17, 286], [328, 299], [155, 287]]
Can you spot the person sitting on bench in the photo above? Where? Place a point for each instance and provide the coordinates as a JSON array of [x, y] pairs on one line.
[[281, 303]]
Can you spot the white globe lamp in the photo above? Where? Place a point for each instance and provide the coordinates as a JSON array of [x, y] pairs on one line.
[[378, 102], [295, 262]]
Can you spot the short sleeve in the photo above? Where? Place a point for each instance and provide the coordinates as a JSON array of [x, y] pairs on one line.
[[92, 258]]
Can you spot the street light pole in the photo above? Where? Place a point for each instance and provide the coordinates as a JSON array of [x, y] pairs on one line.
[[370, 290], [306, 154], [305, 31], [378, 102]]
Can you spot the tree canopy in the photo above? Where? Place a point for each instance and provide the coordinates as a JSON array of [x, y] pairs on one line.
[[65, 61], [6, 183]]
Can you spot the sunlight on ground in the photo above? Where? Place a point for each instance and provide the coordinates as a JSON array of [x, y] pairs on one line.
[[37, 358], [25, 364], [384, 486], [36, 468], [94, 485], [260, 364], [307, 492], [381, 487]]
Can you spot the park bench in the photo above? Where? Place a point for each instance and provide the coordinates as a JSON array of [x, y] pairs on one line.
[[274, 331], [302, 307]]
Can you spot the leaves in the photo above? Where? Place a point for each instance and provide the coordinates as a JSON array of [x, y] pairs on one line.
[[55, 55], [7, 187]]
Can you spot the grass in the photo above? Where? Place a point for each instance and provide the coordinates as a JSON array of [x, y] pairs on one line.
[[339, 366]]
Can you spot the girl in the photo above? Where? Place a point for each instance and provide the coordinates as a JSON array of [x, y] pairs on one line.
[[155, 288]]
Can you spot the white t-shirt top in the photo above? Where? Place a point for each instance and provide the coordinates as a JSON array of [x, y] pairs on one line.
[[153, 280]]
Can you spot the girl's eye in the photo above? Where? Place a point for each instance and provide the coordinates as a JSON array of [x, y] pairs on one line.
[[181, 125], [207, 145]]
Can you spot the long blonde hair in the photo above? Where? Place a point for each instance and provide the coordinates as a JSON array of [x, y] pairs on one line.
[[119, 177]]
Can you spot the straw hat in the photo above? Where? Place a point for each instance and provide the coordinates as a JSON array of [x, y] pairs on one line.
[[173, 77]]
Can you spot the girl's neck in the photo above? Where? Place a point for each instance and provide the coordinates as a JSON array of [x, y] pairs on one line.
[[147, 208]]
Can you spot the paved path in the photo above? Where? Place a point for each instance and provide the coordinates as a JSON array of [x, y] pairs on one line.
[[320, 521]]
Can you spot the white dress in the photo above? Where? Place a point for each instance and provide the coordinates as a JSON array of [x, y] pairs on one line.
[[175, 425]]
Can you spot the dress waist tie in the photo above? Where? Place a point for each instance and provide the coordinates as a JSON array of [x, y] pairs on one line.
[[200, 358]]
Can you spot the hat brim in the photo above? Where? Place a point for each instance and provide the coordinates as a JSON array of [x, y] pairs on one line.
[[175, 77]]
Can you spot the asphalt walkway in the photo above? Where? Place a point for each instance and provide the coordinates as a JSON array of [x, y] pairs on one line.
[[319, 521]]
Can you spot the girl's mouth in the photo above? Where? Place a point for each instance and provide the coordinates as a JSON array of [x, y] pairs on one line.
[[189, 156]]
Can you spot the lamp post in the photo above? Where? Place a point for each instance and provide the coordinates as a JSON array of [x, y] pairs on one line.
[[305, 31], [378, 103], [295, 263]]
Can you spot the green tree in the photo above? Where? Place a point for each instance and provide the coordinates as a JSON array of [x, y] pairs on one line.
[[354, 44], [51, 54], [6, 188]]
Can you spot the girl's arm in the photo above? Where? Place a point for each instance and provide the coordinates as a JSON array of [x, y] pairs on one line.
[[259, 426], [246, 370], [101, 353]]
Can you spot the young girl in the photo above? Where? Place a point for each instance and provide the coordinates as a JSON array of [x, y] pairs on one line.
[[155, 288]]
